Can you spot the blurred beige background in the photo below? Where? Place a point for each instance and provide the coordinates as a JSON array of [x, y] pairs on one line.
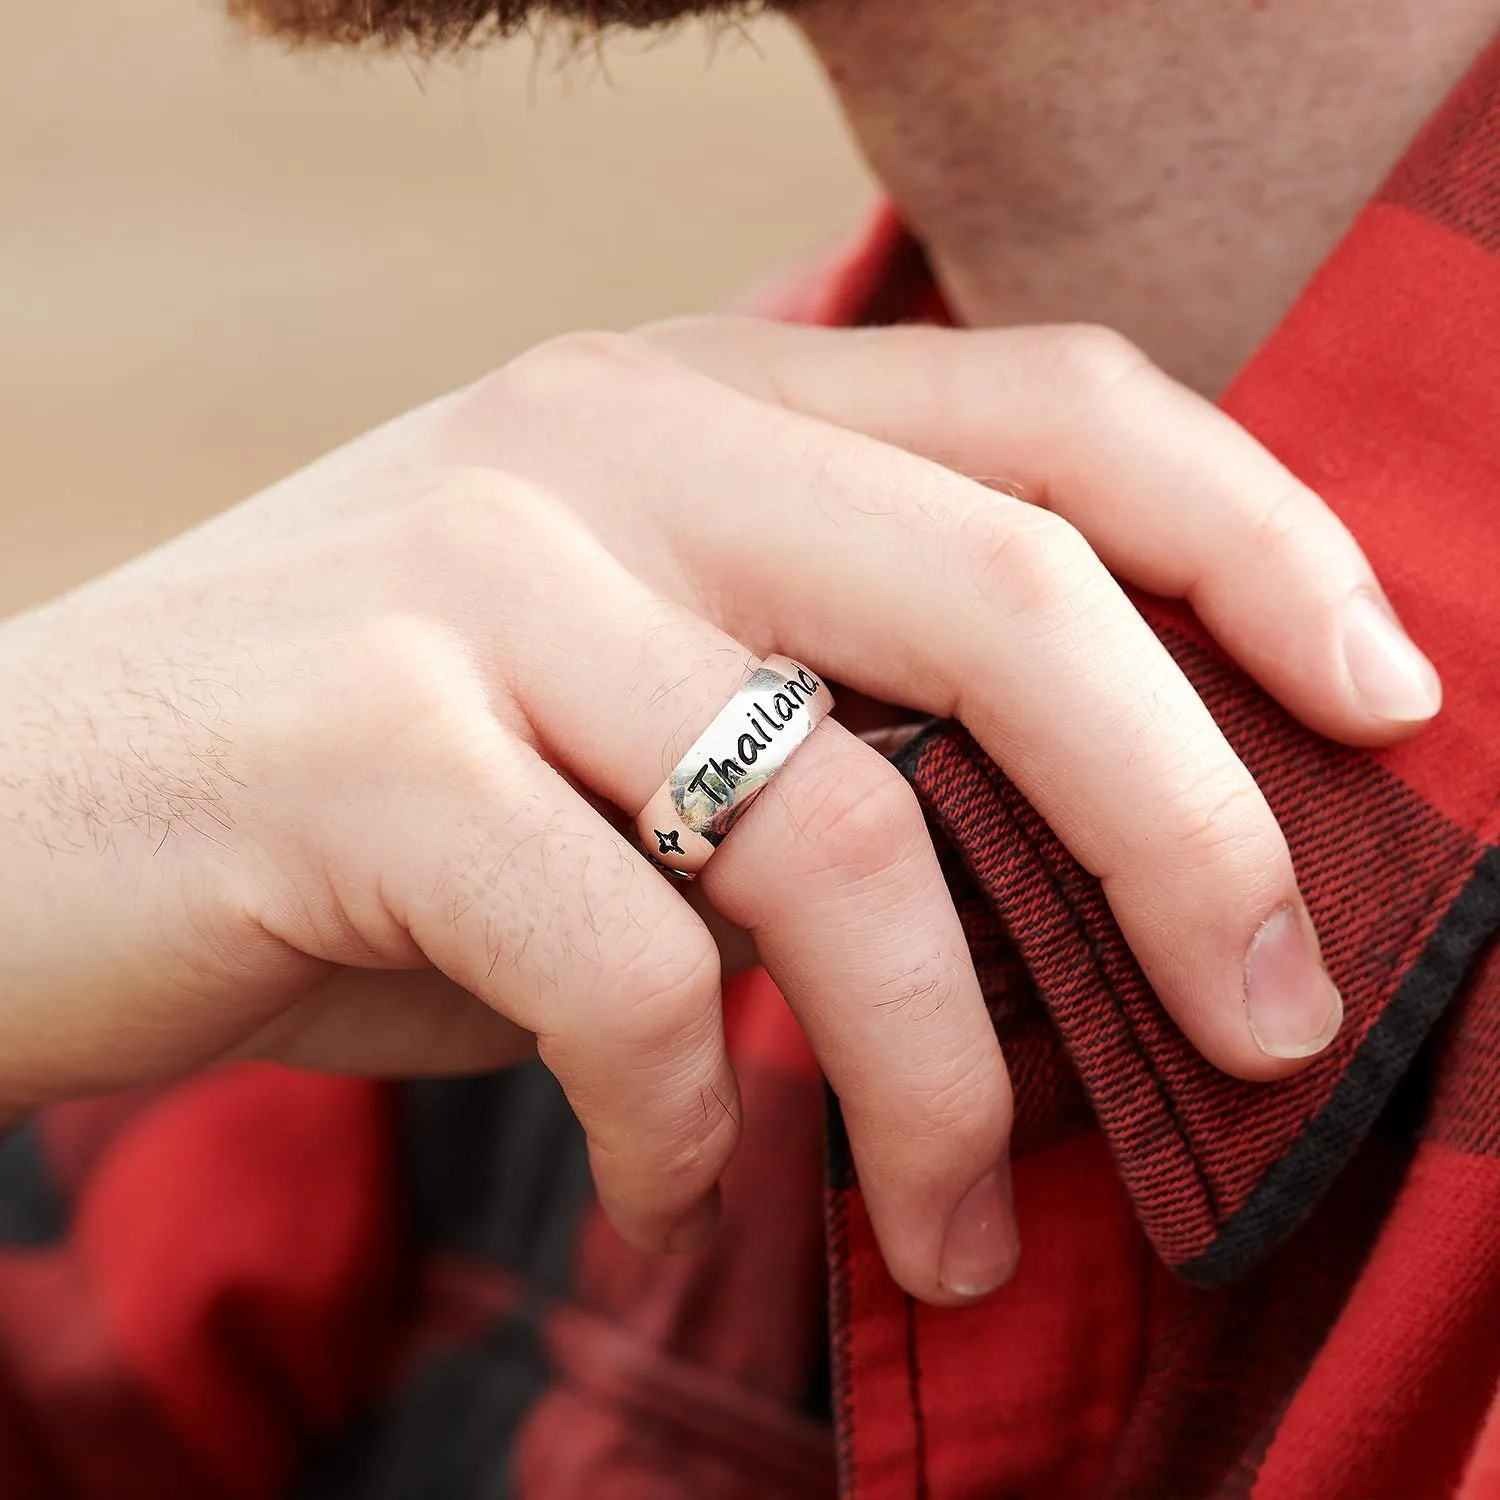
[[217, 260]]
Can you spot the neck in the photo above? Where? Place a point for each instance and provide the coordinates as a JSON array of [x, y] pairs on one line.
[[1173, 168]]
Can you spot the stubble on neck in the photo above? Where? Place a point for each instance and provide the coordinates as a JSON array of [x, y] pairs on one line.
[[1172, 168]]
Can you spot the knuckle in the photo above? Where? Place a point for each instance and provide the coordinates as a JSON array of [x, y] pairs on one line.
[[482, 544], [1021, 556], [967, 1110], [1290, 514], [729, 350], [1221, 819], [689, 329], [691, 1151], [666, 1118], [1090, 360], [470, 508], [575, 368], [646, 1176], [552, 402], [399, 651], [854, 812], [424, 703], [669, 979], [954, 1106], [577, 378], [551, 913]]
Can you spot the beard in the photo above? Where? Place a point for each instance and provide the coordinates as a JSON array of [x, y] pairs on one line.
[[440, 25]]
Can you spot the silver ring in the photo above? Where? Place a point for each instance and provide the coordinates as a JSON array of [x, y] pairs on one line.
[[731, 763]]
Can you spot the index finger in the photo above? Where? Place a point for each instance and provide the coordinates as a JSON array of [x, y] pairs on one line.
[[1171, 493]]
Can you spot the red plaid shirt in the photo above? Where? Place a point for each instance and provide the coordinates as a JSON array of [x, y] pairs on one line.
[[261, 1284]]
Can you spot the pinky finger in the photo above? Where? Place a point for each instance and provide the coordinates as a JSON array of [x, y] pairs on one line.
[[524, 895]]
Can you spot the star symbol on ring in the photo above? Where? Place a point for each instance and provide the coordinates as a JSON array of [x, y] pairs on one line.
[[668, 841]]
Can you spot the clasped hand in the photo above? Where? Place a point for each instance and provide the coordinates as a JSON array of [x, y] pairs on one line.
[[342, 777]]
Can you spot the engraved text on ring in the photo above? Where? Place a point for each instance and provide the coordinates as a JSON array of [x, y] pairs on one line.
[[764, 723]]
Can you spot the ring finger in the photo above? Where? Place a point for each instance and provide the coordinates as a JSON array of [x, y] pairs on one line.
[[835, 876]]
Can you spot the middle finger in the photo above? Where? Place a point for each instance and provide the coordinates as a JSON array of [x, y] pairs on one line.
[[833, 873]]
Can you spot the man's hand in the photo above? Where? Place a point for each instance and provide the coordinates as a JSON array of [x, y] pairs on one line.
[[312, 778]]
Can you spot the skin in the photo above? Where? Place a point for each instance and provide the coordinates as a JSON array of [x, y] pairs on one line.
[[1175, 171], [339, 779]]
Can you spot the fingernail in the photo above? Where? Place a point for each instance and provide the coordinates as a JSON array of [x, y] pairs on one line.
[[693, 1229], [1393, 679], [980, 1249], [1293, 1006]]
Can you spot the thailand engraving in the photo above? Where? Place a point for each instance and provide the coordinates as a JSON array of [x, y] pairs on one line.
[[714, 796], [727, 766]]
